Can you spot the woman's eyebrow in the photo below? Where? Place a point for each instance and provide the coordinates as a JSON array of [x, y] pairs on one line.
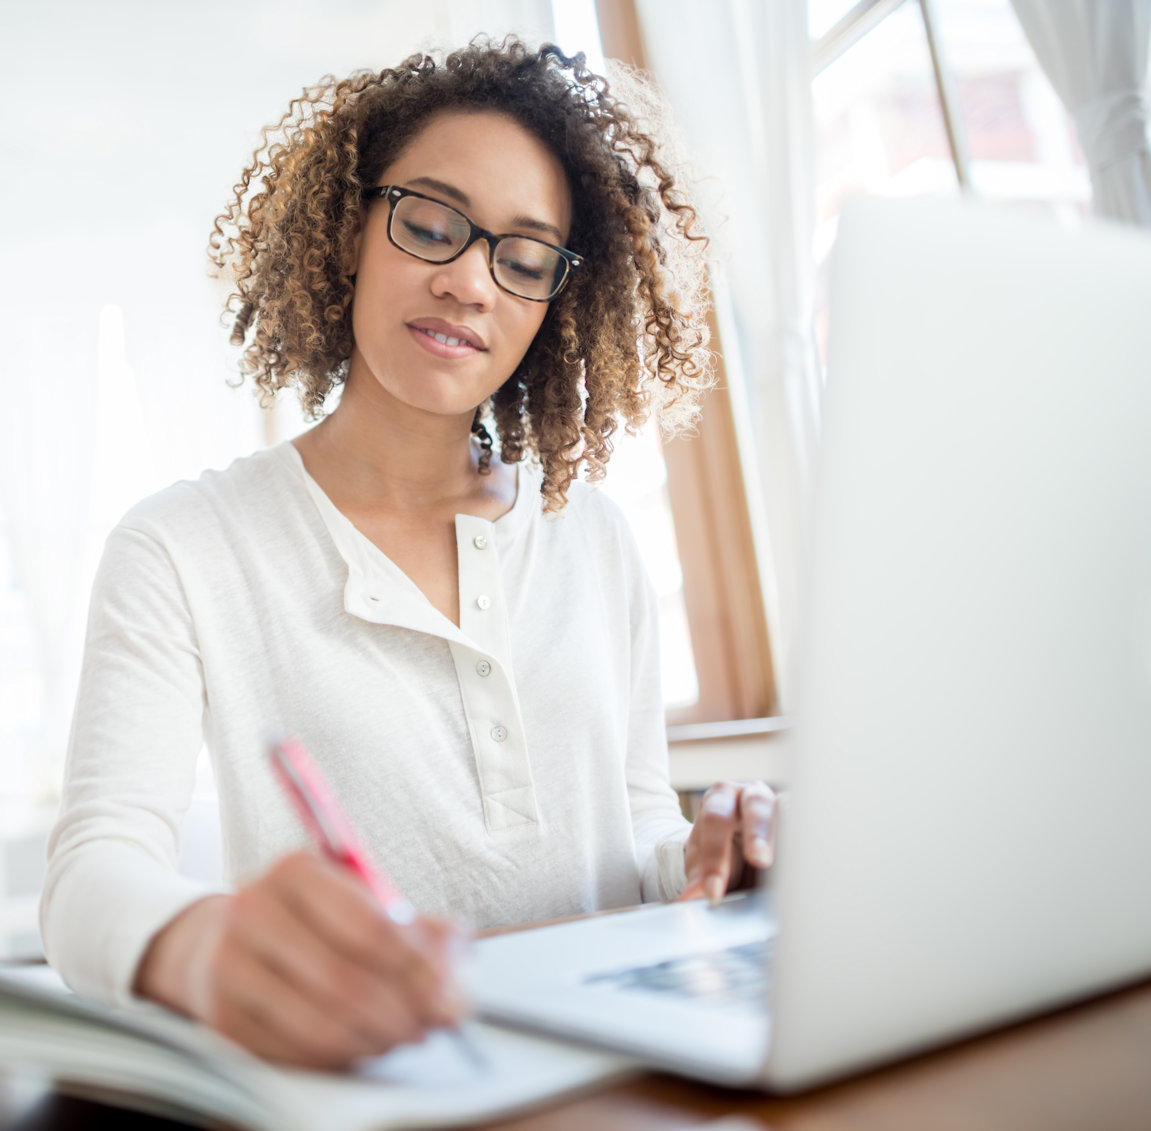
[[462, 198]]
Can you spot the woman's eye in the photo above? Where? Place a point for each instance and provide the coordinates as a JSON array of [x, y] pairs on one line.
[[427, 236], [522, 269]]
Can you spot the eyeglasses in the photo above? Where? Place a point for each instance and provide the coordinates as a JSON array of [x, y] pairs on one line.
[[437, 233]]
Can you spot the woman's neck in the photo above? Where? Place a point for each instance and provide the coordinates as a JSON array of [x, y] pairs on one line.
[[368, 455]]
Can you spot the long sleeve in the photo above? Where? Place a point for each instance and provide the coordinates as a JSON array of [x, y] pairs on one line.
[[112, 879], [659, 826]]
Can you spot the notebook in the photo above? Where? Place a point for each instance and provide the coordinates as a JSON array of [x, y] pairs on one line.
[[965, 838], [143, 1057]]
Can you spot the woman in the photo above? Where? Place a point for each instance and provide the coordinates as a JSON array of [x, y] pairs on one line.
[[468, 648]]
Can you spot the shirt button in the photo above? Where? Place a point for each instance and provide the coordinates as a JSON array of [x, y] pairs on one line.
[[499, 733], [480, 542], [483, 667], [483, 601]]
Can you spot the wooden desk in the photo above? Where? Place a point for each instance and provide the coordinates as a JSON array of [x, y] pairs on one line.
[[1087, 1068]]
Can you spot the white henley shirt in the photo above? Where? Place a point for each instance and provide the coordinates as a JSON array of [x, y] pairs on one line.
[[509, 769]]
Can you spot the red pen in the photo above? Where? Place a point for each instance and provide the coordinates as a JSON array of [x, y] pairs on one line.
[[325, 820]]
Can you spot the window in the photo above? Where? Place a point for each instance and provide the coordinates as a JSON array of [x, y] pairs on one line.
[[936, 97], [908, 97]]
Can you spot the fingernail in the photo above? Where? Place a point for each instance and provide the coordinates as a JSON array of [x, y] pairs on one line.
[[721, 804], [758, 852], [713, 889]]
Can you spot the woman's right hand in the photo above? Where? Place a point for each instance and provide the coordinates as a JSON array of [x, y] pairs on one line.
[[302, 966]]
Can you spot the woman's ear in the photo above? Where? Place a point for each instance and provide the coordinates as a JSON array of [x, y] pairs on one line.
[[352, 253]]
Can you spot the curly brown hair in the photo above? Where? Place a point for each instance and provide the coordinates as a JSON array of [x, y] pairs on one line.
[[625, 339]]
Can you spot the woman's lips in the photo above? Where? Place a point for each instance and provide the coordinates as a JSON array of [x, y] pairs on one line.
[[443, 339]]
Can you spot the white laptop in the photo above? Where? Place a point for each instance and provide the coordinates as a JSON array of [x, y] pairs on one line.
[[967, 835]]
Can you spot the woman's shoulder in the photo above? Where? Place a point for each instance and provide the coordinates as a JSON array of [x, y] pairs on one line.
[[253, 488], [590, 520], [593, 535], [591, 503]]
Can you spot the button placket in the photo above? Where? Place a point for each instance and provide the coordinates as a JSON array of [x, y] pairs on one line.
[[482, 615], [486, 684]]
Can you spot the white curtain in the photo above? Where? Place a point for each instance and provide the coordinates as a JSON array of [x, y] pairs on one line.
[[44, 501], [737, 76], [1095, 54]]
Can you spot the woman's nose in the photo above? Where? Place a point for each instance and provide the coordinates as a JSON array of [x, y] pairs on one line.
[[468, 279]]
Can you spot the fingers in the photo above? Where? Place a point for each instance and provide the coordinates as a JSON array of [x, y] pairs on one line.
[[253, 1007], [451, 945], [308, 969], [757, 810], [735, 824], [338, 909], [266, 933], [709, 855]]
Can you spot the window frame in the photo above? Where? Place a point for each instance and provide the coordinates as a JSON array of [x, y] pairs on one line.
[[726, 611]]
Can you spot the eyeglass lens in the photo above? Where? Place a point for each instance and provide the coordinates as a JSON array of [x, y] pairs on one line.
[[435, 232]]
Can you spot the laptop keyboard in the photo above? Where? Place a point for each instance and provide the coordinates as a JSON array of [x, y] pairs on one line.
[[734, 979]]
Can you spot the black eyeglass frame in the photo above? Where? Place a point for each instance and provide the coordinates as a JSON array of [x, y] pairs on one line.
[[393, 194]]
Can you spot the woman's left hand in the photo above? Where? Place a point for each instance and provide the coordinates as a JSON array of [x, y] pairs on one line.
[[733, 835]]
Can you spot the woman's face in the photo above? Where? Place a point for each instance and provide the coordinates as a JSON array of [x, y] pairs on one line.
[[488, 167]]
